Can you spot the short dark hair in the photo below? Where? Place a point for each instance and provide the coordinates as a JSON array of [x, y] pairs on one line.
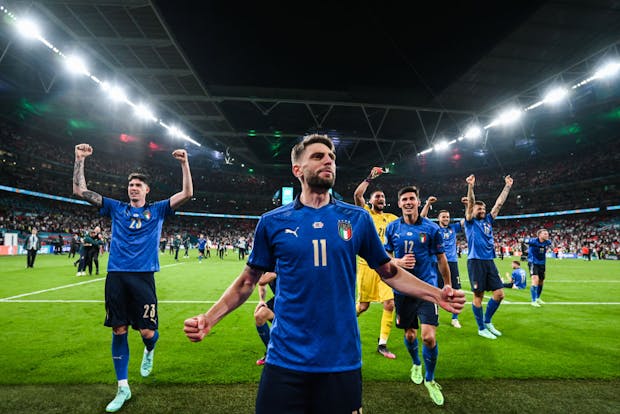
[[540, 231], [516, 262], [409, 189], [299, 149], [138, 176], [443, 211], [479, 203], [378, 190]]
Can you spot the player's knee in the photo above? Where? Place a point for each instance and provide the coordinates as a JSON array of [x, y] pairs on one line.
[[119, 330], [498, 295], [147, 333], [429, 340], [410, 335]]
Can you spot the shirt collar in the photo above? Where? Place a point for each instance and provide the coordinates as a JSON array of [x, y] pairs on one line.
[[417, 222], [297, 204]]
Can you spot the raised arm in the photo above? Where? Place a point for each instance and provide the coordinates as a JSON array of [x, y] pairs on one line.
[[238, 292], [403, 281], [469, 209], [427, 206], [79, 181], [187, 192], [358, 194], [502, 197]]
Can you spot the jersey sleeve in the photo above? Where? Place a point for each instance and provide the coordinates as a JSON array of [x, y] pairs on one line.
[[371, 248], [108, 205], [262, 253], [456, 227], [436, 246], [164, 208]]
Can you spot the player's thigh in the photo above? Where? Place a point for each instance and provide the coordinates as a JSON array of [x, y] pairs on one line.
[[541, 272], [477, 275], [493, 279], [144, 311], [367, 284], [406, 312], [337, 392], [455, 275], [428, 313], [281, 390], [116, 300]]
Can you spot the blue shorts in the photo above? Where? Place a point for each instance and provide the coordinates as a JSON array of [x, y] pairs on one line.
[[454, 276], [130, 299], [483, 275], [283, 390], [538, 270], [409, 310]]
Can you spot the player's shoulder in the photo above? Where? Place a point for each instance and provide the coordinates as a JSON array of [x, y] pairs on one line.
[[391, 217], [431, 225], [282, 211], [350, 208]]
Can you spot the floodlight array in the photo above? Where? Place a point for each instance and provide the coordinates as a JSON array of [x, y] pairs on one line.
[[511, 115], [31, 30]]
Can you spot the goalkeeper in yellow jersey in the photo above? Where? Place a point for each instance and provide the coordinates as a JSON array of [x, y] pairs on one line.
[[370, 287]]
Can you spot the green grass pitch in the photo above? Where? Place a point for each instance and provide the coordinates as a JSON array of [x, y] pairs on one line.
[[564, 355]]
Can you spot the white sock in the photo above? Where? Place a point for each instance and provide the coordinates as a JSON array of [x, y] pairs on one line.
[[123, 383], [382, 341]]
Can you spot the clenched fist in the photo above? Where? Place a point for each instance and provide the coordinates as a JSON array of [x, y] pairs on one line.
[[180, 155], [82, 151]]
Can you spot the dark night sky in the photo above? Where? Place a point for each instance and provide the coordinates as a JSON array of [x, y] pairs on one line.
[[340, 46]]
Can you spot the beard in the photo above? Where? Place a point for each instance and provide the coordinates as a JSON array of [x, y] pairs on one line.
[[481, 215], [323, 183]]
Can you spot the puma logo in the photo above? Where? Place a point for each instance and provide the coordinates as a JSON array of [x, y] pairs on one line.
[[289, 231]]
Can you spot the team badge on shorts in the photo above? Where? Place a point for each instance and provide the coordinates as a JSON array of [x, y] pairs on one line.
[[345, 231]]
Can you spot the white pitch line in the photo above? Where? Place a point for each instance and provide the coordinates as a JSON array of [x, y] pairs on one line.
[[551, 281], [66, 286]]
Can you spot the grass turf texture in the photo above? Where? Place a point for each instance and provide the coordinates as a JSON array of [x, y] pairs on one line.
[[56, 353]]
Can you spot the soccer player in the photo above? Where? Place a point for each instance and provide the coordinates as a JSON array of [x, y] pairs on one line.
[[264, 310], [202, 242], [517, 277], [314, 356], [483, 274], [130, 297], [370, 287], [448, 234], [414, 240], [537, 259]]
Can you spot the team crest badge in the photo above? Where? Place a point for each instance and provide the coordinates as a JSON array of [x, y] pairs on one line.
[[147, 215], [422, 238], [345, 231]]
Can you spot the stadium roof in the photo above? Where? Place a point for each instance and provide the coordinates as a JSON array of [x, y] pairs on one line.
[[386, 83]]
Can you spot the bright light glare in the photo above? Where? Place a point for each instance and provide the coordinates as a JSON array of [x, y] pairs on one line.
[[441, 145], [608, 70], [142, 111], [117, 94], [28, 28], [76, 65], [176, 132], [473, 132], [510, 116], [105, 86], [555, 95]]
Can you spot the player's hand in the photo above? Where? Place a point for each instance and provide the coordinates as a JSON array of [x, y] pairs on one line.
[[196, 328], [375, 172], [431, 199], [260, 305], [407, 261], [471, 180], [180, 155], [508, 180], [464, 200], [82, 151], [452, 300]]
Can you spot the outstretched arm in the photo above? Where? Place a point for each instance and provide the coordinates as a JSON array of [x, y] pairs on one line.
[[187, 192], [358, 194], [238, 292], [502, 197], [469, 209], [79, 181], [427, 206]]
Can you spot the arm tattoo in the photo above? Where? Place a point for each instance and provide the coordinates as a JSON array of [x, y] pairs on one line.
[[501, 199], [78, 174], [93, 198]]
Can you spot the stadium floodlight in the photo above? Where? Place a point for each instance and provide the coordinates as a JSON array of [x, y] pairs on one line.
[[509, 116], [441, 145], [555, 95], [473, 132], [143, 112], [117, 94], [175, 132], [105, 86], [28, 28], [608, 70], [76, 65]]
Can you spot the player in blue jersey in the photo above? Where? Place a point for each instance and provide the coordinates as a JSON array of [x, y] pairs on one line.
[[130, 297], [483, 274], [413, 238], [264, 310], [313, 360], [448, 232], [537, 259], [516, 279], [202, 242]]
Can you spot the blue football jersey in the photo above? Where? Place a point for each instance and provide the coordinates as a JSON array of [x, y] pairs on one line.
[[422, 238], [537, 250], [519, 278], [448, 235], [479, 233], [315, 326], [202, 243], [135, 234]]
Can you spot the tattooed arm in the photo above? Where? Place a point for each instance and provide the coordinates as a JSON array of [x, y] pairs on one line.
[[502, 197], [471, 199], [79, 182]]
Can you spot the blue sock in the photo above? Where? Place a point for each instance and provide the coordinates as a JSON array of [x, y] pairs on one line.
[[455, 316], [150, 343], [539, 290], [534, 293], [491, 308], [478, 315], [264, 333], [430, 361], [412, 347], [120, 355]]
